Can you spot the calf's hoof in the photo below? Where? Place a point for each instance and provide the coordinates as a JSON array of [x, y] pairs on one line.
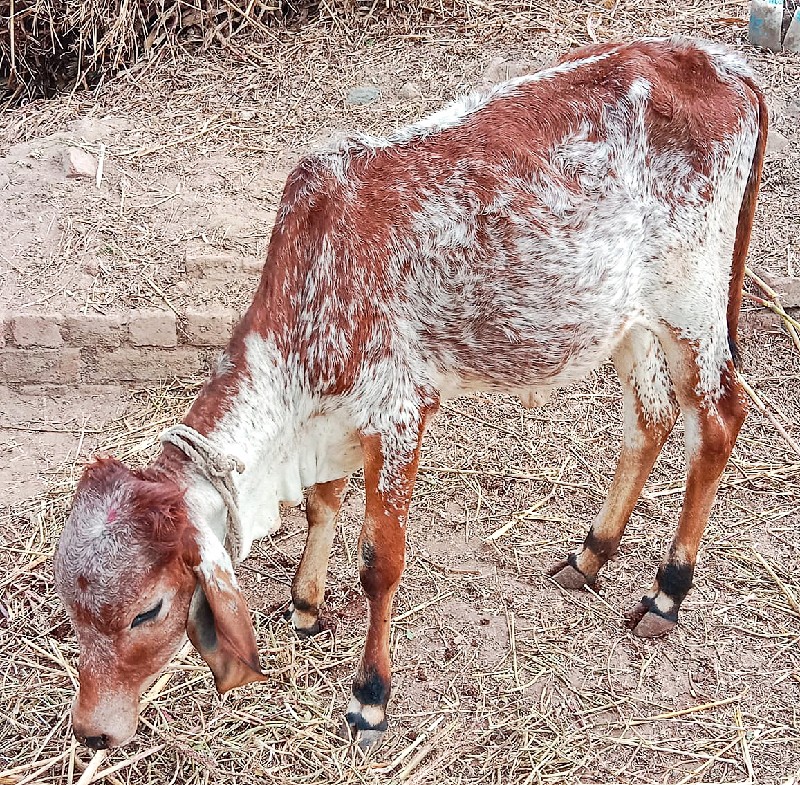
[[364, 724], [305, 623], [569, 577], [308, 632], [367, 739], [647, 623]]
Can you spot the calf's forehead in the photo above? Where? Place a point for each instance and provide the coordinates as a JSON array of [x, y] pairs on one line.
[[100, 560]]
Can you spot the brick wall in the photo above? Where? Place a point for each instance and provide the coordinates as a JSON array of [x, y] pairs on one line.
[[137, 346]]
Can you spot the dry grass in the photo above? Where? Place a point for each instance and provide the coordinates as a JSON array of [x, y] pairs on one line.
[[49, 46], [500, 677]]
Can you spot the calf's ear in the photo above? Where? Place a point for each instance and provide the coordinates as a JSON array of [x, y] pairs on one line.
[[219, 624]]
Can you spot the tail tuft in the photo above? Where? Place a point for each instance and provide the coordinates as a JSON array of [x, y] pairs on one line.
[[736, 355]]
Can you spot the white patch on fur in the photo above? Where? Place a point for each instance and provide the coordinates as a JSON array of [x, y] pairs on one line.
[[374, 715], [642, 367], [286, 439], [214, 557], [223, 364], [693, 437], [98, 550], [663, 602]]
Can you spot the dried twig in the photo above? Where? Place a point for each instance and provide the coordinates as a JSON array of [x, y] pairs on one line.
[[774, 305], [761, 406], [91, 769]]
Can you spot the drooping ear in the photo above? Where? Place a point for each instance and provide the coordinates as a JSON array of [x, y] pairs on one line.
[[219, 624]]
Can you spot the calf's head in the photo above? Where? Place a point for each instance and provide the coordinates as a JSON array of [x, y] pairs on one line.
[[136, 574]]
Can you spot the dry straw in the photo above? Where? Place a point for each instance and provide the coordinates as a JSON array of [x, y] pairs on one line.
[[47, 46], [52, 45]]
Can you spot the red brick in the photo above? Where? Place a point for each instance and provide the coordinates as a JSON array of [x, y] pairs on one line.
[[36, 329], [40, 366], [147, 365], [93, 329], [209, 327], [153, 328]]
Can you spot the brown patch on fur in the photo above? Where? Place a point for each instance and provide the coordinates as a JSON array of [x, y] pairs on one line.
[[385, 520], [324, 499], [219, 391], [633, 468], [719, 424], [322, 507], [159, 516], [688, 115]]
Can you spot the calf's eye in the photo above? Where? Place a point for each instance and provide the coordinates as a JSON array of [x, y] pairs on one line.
[[147, 615]]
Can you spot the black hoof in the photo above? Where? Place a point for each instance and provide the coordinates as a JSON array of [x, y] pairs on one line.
[[308, 632], [635, 615], [653, 626], [567, 577]]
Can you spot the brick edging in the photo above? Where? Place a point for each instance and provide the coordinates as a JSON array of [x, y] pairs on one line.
[[138, 345]]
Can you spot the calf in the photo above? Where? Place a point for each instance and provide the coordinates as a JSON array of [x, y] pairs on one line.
[[513, 242]]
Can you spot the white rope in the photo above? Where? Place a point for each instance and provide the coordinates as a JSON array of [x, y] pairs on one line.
[[217, 468]]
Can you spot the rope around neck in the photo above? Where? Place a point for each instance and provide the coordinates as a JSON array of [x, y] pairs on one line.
[[217, 468]]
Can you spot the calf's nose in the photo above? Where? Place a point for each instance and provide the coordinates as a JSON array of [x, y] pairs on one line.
[[97, 742], [104, 722]]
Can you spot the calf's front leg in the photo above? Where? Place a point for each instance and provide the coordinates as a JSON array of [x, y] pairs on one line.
[[308, 586], [390, 468]]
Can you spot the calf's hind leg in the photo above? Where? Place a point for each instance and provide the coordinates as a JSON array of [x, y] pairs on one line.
[[712, 423], [308, 587], [649, 413]]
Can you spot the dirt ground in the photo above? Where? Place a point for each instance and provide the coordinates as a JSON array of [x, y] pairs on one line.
[[500, 676]]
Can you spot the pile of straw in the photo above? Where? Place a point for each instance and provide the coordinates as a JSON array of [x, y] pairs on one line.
[[52, 45], [48, 46]]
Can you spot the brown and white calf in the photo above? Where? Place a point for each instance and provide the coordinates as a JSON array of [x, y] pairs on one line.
[[512, 241]]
